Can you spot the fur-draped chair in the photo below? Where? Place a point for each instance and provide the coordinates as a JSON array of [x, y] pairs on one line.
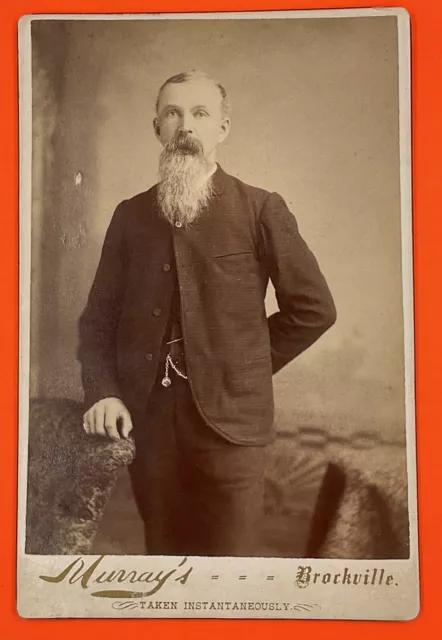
[[346, 510], [70, 478]]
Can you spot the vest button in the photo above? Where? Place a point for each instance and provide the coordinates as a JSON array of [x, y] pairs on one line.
[[166, 267], [157, 312], [178, 224], [149, 356]]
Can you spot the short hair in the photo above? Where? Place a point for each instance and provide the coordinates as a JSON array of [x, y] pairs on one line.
[[195, 74]]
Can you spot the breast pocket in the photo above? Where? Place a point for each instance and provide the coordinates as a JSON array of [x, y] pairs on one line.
[[240, 288], [235, 264]]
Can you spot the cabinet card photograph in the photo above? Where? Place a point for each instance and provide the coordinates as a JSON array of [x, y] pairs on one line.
[[217, 414]]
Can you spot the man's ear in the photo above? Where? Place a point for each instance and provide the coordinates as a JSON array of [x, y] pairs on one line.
[[225, 128], [156, 127]]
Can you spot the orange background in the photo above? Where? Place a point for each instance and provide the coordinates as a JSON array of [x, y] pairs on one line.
[[426, 19]]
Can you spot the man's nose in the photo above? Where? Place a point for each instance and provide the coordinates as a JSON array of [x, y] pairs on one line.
[[187, 123]]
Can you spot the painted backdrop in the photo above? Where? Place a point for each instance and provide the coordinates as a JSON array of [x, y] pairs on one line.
[[315, 117]]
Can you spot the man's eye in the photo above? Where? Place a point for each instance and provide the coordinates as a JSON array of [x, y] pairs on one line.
[[171, 113], [201, 114]]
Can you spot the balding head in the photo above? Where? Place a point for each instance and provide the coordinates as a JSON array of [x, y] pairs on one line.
[[196, 75]]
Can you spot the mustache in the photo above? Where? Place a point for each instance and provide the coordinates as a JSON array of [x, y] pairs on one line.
[[184, 144]]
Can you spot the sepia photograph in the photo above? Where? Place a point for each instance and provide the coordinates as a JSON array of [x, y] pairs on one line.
[[217, 356]]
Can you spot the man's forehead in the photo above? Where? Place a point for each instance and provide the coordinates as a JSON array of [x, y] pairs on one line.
[[191, 93]]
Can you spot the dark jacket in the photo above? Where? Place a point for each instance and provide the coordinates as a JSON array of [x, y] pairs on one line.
[[223, 262]]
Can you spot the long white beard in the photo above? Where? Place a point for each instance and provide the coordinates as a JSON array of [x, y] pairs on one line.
[[183, 190]]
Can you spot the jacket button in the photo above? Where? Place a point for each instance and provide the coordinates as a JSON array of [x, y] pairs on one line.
[[166, 267], [178, 224], [157, 312], [149, 356]]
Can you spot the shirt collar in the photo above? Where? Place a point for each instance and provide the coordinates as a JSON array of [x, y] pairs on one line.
[[212, 171], [218, 179]]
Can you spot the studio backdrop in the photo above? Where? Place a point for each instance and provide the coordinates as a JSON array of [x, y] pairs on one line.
[[314, 117]]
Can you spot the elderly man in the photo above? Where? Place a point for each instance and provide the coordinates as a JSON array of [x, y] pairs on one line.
[[175, 343]]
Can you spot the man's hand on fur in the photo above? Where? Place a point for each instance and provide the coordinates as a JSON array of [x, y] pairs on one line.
[[108, 417]]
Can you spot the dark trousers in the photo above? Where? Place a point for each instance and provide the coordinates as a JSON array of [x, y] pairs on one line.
[[197, 493]]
